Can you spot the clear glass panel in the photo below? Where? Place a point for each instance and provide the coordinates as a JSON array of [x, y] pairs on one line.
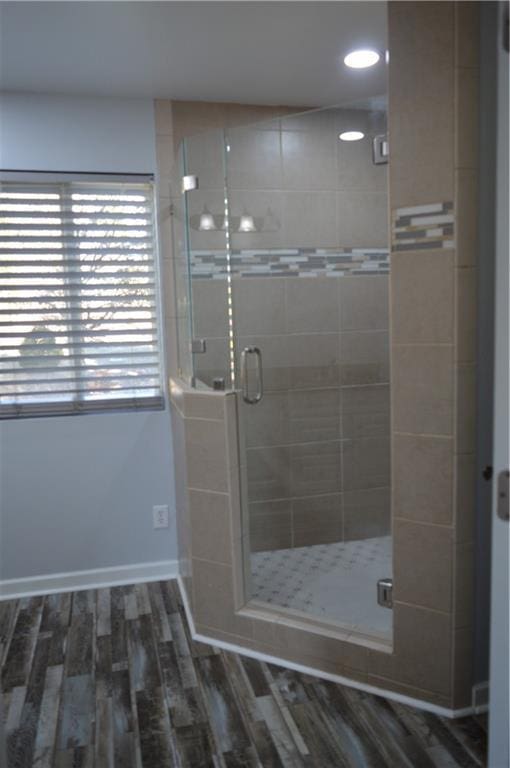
[[309, 256], [182, 276], [207, 265]]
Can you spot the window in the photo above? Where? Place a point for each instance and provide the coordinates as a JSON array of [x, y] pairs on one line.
[[79, 326]]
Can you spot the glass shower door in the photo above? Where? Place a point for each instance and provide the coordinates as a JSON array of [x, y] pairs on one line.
[[308, 285]]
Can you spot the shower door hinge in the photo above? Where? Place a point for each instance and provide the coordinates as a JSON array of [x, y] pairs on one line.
[[503, 502], [189, 183], [198, 346], [385, 593], [381, 149], [488, 472]]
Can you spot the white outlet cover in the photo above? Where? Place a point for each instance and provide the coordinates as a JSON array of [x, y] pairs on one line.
[[160, 516]]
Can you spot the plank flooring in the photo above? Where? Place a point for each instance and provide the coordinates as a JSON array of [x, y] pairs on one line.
[[110, 678]]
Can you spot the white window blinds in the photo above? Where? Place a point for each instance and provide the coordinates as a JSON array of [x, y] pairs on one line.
[[79, 324]]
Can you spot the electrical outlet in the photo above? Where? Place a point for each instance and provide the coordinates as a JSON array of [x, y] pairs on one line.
[[160, 516]]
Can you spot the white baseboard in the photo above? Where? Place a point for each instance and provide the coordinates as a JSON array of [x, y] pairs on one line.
[[278, 661], [92, 579]]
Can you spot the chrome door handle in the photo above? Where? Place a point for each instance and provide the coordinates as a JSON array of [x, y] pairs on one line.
[[257, 397]]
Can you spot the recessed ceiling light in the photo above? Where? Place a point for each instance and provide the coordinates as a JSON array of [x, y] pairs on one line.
[[361, 59], [351, 135]]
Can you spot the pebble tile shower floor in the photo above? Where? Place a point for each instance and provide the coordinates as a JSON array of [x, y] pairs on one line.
[[334, 582], [111, 679]]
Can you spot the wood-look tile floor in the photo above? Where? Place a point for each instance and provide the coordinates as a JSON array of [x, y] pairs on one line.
[[111, 678]]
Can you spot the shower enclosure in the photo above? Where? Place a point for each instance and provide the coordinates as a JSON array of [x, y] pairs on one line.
[[281, 242]]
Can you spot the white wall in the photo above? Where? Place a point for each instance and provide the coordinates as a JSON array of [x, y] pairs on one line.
[[63, 133], [76, 492]]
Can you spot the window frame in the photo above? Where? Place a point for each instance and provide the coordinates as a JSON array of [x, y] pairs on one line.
[[77, 405]]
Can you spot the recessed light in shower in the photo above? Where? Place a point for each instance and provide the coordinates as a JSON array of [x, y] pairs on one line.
[[351, 135], [361, 59]]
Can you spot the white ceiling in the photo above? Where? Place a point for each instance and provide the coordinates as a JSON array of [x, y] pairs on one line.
[[252, 52]]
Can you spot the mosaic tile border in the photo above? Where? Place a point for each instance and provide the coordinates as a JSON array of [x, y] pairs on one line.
[[423, 226], [293, 262]]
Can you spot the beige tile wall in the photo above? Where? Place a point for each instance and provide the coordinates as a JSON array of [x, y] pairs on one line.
[[280, 171], [433, 307], [311, 189], [175, 120], [322, 428], [315, 334], [432, 434], [317, 189]]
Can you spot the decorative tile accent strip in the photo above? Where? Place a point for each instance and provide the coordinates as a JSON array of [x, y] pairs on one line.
[[423, 226], [295, 262]]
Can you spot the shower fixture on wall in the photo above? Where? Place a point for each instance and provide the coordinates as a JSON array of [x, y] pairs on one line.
[[246, 223], [380, 149], [207, 223]]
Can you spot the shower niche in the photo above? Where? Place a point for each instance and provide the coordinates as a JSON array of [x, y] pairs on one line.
[[283, 264]]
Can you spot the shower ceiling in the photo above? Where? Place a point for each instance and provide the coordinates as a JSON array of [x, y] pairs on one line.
[[249, 52]]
